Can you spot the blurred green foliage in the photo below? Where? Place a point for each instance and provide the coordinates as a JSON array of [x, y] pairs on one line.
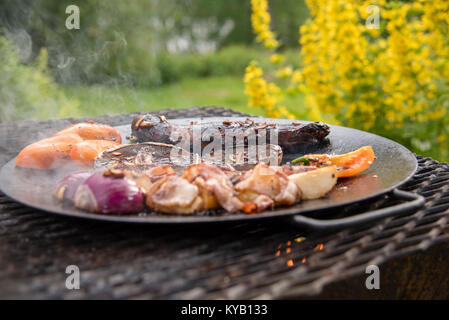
[[28, 91], [139, 42], [231, 60]]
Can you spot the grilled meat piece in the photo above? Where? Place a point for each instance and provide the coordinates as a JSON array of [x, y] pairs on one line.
[[173, 194], [269, 183], [142, 156], [214, 186], [290, 136], [151, 128]]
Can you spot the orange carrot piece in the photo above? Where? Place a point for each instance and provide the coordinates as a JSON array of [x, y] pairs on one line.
[[47, 153], [86, 151], [92, 131]]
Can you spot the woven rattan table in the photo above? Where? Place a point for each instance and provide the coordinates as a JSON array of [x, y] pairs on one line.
[[236, 261]]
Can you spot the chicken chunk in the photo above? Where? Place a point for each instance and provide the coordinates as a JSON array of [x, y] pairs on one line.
[[173, 194], [214, 186], [268, 182]]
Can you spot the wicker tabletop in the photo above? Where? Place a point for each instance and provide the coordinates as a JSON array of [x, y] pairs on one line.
[[233, 261]]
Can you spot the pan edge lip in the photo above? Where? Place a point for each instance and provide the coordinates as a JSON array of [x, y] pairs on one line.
[[239, 217]]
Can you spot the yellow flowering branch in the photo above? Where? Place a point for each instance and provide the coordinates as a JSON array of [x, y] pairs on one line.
[[260, 20], [388, 80], [261, 93], [392, 80]]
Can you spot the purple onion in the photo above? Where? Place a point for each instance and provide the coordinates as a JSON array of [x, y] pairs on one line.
[[107, 194], [67, 186]]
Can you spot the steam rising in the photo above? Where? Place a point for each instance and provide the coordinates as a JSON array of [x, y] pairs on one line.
[[23, 42], [117, 47]]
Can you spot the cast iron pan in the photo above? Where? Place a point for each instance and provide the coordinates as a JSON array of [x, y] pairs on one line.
[[393, 166]]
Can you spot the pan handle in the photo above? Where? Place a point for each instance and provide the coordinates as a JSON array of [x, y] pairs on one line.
[[414, 201]]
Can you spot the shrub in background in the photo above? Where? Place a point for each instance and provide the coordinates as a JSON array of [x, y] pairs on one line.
[[393, 81], [121, 42], [230, 60], [28, 91]]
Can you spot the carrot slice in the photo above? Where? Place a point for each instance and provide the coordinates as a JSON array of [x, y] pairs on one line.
[[86, 151], [348, 164], [47, 153], [92, 131], [352, 163]]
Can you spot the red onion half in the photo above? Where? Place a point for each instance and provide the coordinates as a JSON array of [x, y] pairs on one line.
[[108, 194], [67, 186]]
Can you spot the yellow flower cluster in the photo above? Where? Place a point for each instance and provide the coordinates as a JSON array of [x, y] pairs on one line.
[[276, 58], [264, 94], [260, 20], [393, 80], [284, 72]]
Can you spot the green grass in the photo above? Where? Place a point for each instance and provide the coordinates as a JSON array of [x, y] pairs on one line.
[[219, 91]]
